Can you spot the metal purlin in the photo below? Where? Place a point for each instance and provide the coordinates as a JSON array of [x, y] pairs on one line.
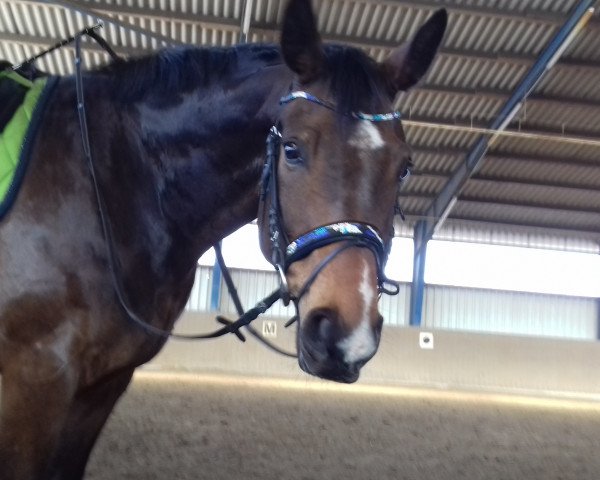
[[439, 210]]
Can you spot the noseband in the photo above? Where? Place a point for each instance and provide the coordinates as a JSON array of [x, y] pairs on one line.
[[351, 234]]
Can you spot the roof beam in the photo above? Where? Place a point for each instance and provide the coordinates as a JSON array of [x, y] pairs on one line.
[[468, 125], [532, 224], [509, 180], [555, 207], [503, 95], [107, 12], [527, 14], [500, 156], [591, 233], [477, 199], [453, 53]]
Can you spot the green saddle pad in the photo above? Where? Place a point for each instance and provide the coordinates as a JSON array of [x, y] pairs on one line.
[[17, 136]]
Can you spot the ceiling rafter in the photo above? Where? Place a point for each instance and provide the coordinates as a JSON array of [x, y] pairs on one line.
[[561, 133], [502, 95], [499, 156], [536, 227], [107, 12], [526, 14], [558, 209], [512, 180], [482, 199], [578, 232]]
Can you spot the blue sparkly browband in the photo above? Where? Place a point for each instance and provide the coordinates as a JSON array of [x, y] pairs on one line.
[[370, 117], [335, 232]]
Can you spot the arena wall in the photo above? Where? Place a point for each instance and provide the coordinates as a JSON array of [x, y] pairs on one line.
[[444, 307], [457, 360]]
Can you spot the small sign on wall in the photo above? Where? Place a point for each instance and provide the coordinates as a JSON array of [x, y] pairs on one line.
[[426, 340], [269, 328]]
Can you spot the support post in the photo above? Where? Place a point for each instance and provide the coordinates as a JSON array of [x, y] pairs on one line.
[[215, 290], [246, 19], [417, 290], [598, 319]]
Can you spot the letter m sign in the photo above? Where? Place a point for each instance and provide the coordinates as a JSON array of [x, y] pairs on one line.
[[269, 328]]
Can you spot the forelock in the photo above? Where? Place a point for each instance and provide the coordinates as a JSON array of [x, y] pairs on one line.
[[355, 81]]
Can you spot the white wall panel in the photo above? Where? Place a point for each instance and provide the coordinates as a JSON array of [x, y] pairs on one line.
[[252, 286], [453, 308], [510, 312], [396, 309], [514, 236], [199, 300]]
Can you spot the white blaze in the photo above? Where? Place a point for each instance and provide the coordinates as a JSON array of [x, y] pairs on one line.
[[366, 137], [361, 344]]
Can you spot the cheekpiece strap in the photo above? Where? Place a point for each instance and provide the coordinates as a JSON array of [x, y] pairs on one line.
[[369, 117]]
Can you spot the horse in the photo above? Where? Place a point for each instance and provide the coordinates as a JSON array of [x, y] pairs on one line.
[[177, 140]]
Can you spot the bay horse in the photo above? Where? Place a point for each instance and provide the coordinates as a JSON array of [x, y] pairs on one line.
[[178, 144]]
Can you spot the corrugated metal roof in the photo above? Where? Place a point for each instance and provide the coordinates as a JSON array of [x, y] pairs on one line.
[[522, 183]]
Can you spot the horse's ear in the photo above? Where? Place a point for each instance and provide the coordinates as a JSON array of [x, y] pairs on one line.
[[300, 41], [408, 63]]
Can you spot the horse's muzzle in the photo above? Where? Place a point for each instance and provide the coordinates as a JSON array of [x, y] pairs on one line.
[[328, 371], [327, 350]]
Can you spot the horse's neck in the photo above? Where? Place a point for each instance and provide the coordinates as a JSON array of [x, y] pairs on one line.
[[210, 148], [199, 161]]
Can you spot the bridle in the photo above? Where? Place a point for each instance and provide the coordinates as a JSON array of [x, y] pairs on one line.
[[351, 234]]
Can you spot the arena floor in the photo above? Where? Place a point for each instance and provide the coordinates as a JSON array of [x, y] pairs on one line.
[[209, 427]]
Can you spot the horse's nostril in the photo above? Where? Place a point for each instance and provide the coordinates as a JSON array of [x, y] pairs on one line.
[[325, 328], [322, 327]]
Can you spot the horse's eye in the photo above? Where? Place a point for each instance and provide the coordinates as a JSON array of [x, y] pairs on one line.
[[406, 171], [405, 174], [292, 153]]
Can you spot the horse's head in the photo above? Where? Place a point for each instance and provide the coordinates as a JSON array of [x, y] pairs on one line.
[[337, 165]]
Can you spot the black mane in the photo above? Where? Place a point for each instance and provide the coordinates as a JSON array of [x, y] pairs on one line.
[[183, 69], [355, 80]]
